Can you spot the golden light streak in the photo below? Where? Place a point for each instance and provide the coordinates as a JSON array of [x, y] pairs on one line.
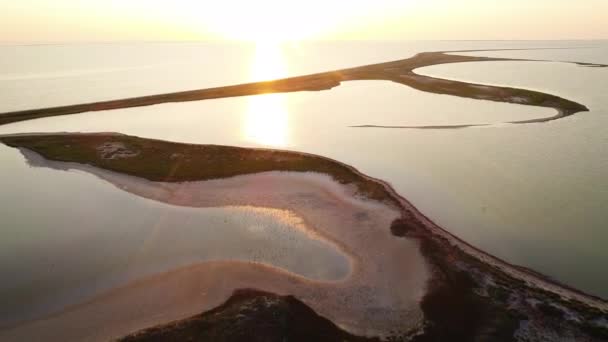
[[266, 120]]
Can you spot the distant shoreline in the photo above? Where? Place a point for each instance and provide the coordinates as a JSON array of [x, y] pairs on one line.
[[400, 71]]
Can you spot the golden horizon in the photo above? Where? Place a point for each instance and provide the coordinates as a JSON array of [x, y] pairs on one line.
[[274, 20]]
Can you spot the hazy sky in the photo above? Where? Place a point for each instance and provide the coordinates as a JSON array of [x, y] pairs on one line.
[[110, 20]]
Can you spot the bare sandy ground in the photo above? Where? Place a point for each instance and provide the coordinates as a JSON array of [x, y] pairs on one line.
[[381, 295]]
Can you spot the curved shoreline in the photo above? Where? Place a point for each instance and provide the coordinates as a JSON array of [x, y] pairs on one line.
[[366, 296], [400, 71], [393, 199], [449, 256]]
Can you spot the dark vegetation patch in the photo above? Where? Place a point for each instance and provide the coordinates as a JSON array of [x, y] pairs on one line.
[[454, 311], [596, 331], [250, 316], [550, 310], [401, 227], [499, 293], [174, 162]]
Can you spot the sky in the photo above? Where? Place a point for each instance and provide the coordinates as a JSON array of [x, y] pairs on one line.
[[292, 20]]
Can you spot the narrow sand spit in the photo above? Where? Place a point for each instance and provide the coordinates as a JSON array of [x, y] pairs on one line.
[[399, 71], [381, 295]]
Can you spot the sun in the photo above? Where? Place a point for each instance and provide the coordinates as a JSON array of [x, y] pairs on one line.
[[266, 120], [269, 20]]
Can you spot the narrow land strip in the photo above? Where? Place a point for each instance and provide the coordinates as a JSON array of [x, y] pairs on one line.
[[400, 71]]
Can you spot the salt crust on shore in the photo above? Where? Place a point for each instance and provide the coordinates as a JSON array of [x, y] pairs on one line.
[[381, 295]]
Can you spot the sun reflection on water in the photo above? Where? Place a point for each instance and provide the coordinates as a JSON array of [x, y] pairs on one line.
[[266, 119]]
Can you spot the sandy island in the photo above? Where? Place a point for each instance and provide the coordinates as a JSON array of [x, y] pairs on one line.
[[411, 279]]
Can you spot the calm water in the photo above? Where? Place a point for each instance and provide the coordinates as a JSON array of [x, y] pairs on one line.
[[77, 236], [535, 195]]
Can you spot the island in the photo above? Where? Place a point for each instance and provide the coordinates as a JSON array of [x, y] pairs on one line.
[[431, 285]]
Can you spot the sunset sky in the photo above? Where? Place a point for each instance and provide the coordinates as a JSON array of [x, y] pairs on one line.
[[128, 20]]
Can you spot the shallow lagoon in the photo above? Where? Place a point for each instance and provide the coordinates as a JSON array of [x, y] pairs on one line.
[[75, 245]]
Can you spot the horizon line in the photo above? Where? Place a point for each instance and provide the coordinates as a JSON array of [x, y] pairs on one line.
[[236, 41]]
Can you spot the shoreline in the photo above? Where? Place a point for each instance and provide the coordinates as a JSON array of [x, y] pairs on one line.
[[440, 247], [400, 71], [343, 303], [393, 198]]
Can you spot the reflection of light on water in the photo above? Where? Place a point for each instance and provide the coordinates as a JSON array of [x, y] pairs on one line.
[[268, 62], [266, 120]]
